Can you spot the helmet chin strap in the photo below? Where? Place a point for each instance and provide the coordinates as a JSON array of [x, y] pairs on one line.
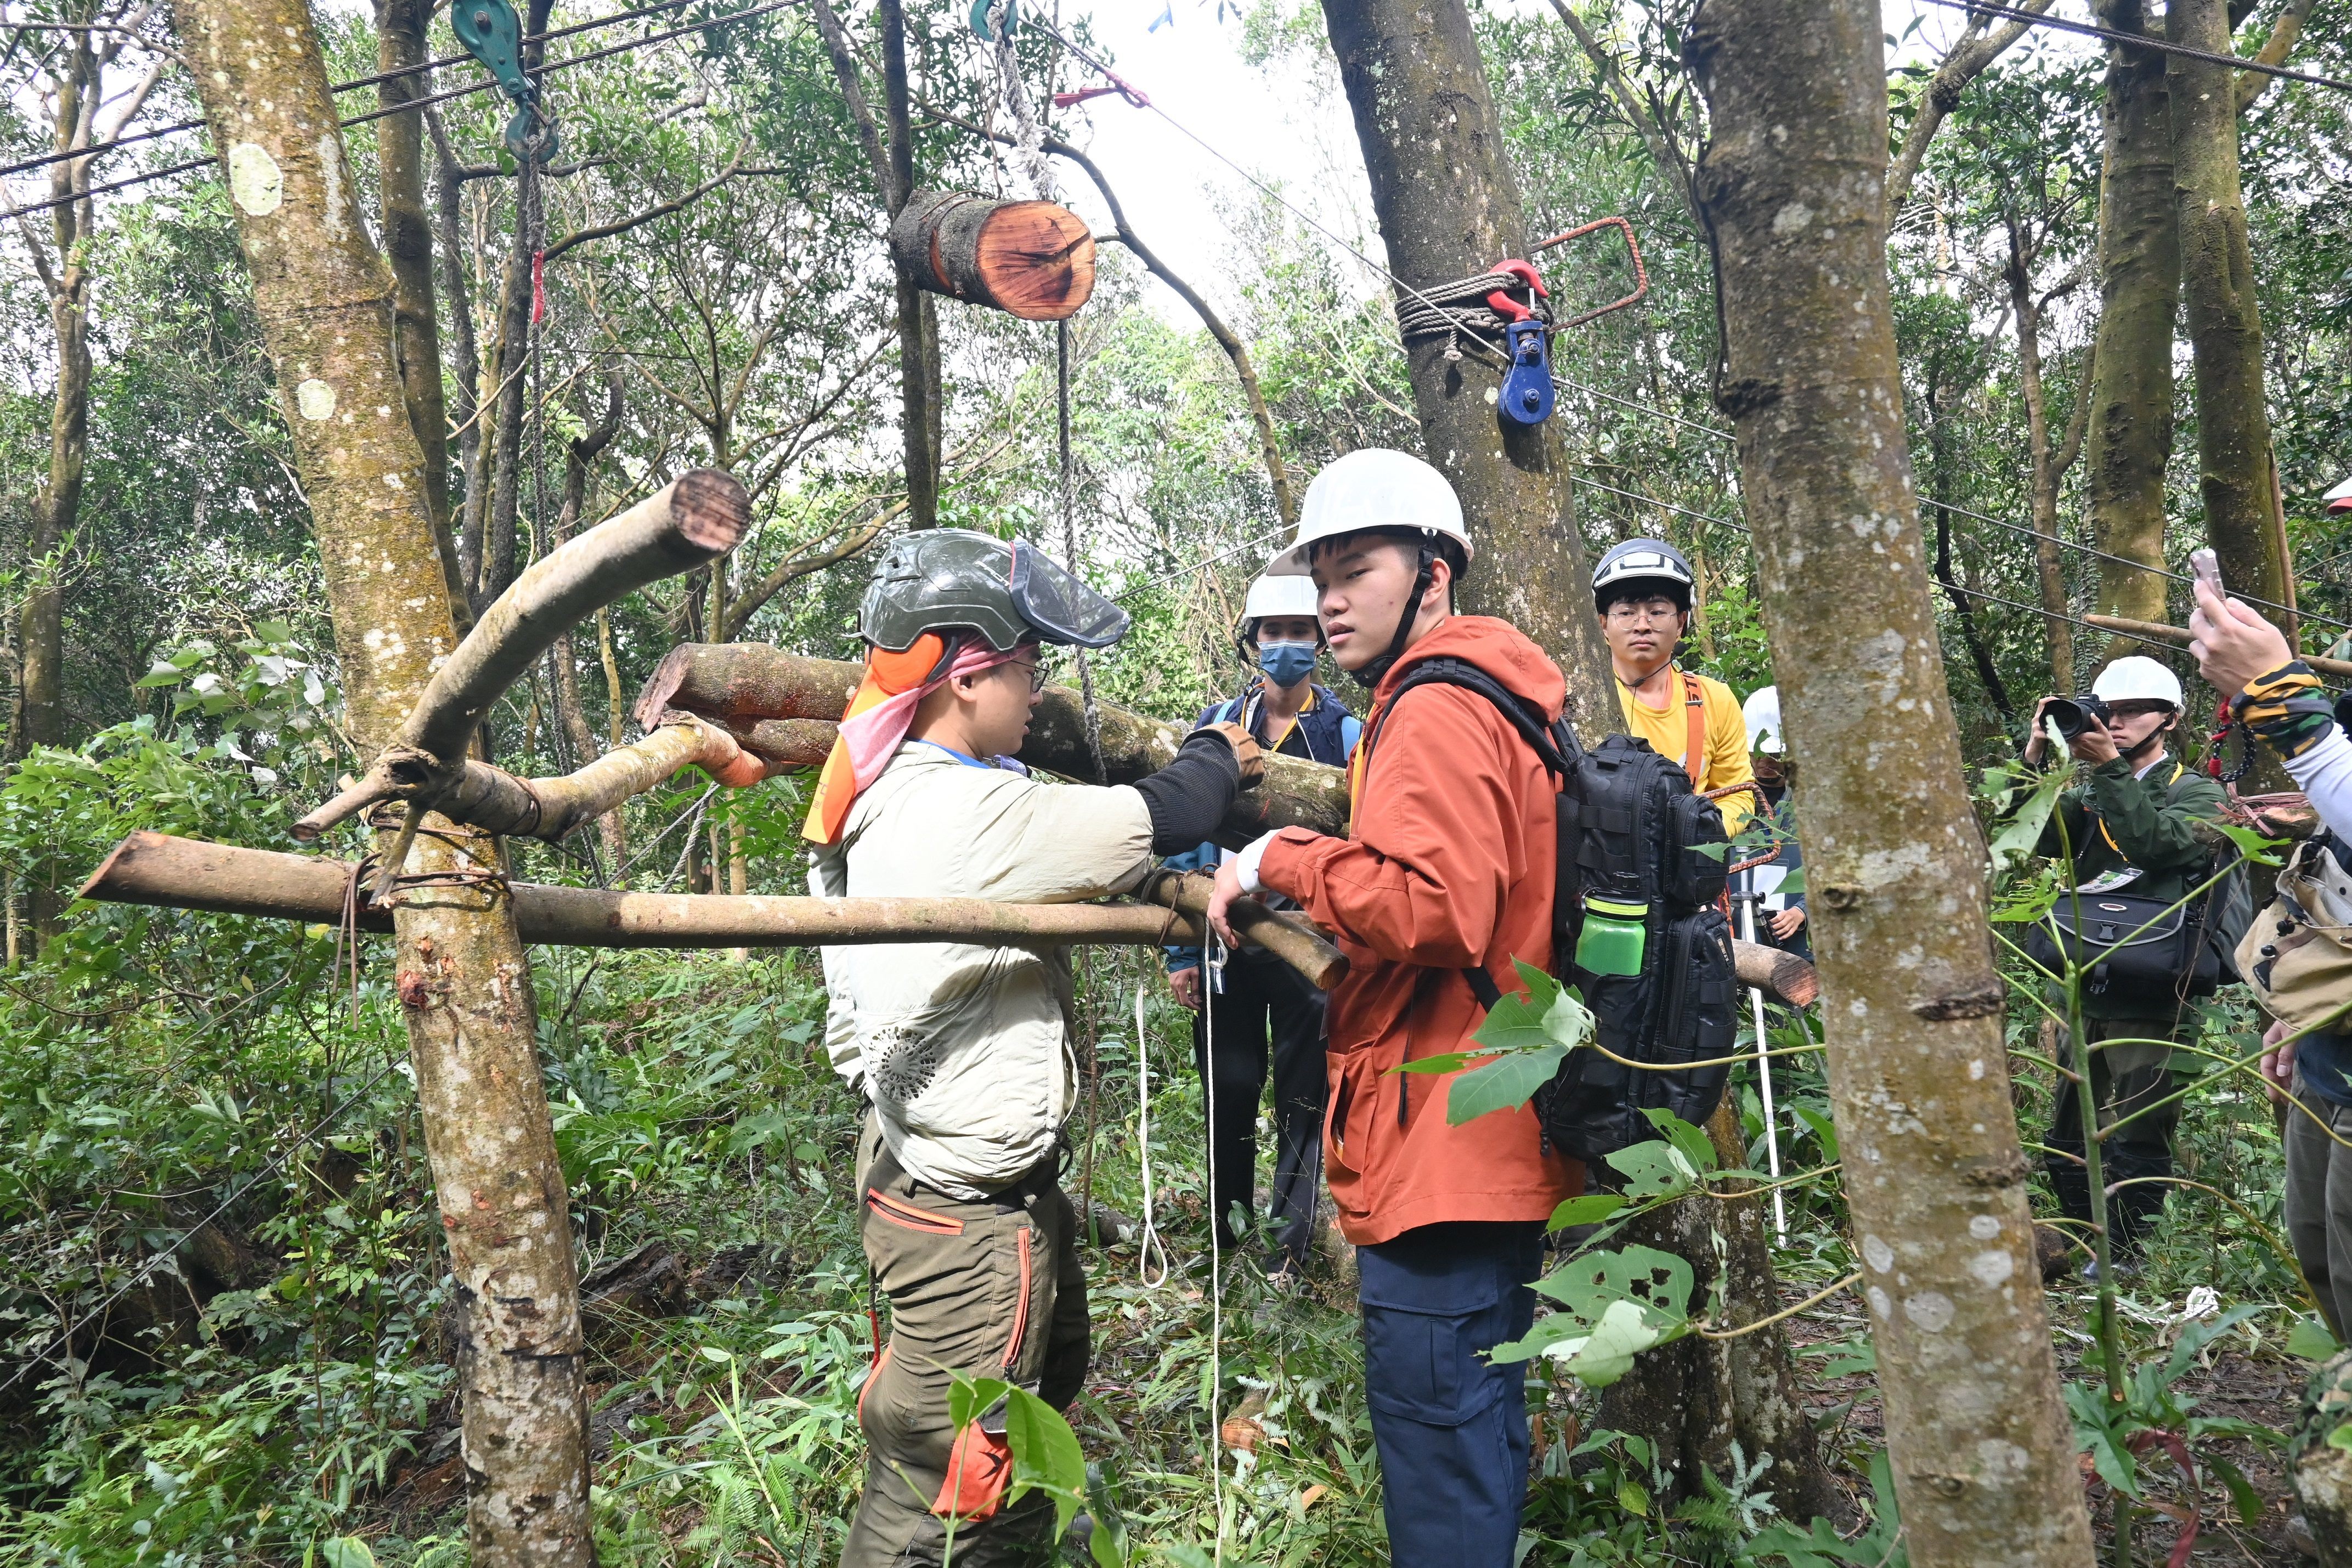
[[1371, 674]]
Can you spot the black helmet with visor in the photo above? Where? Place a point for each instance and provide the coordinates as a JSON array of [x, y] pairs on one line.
[[1006, 591]]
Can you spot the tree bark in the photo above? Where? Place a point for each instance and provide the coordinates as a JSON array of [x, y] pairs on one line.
[[1448, 207], [325, 303], [2225, 326], [2130, 439], [2050, 461], [408, 247], [1793, 188], [448, 187], [1695, 1398]]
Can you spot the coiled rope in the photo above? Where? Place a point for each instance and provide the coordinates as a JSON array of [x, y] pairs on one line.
[[1450, 309]]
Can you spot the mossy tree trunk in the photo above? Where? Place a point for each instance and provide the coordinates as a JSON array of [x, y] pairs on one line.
[[1448, 206], [325, 299], [2129, 439], [1793, 185]]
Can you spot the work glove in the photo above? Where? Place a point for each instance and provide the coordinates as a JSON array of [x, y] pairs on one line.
[[1247, 754]]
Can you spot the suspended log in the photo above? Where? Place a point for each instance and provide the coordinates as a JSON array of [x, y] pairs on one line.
[[742, 684], [693, 519], [2156, 631], [1030, 260], [158, 870]]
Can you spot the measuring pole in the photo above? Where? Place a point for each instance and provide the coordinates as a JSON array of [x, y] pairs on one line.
[[1747, 901]]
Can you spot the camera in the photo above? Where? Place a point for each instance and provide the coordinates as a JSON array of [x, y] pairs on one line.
[[2076, 714]]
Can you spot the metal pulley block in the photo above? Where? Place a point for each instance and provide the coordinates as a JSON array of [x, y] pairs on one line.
[[1526, 393], [492, 34]]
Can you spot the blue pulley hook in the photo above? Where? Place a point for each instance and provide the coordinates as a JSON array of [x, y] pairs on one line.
[[492, 34], [1526, 395]]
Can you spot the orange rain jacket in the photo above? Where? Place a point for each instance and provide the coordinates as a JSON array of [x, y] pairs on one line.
[[1448, 863]]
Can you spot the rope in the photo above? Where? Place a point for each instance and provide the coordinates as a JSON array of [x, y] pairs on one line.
[[1150, 1241], [1029, 143], [1210, 975], [1449, 310]]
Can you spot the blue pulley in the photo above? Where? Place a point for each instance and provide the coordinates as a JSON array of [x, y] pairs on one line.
[[492, 34], [1526, 394]]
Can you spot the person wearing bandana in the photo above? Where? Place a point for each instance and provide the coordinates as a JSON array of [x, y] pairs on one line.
[[1258, 1002]]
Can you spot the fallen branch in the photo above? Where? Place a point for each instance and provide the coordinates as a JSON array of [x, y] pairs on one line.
[[158, 870], [1288, 938], [1783, 977], [742, 684], [697, 516]]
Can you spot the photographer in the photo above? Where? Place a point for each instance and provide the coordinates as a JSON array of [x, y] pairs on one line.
[[2278, 699], [2130, 831]]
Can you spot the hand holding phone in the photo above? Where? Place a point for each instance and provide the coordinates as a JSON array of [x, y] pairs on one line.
[[2207, 568]]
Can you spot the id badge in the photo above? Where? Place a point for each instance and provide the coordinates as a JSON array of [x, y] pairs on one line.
[[2110, 880]]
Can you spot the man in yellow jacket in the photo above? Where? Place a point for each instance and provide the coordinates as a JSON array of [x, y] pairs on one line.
[[1641, 590]]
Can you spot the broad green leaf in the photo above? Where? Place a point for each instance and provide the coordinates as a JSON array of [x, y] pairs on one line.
[[1045, 1456], [2259, 849], [969, 1398], [2013, 842], [2341, 1437], [1586, 1284], [2310, 1340], [1694, 1143], [1607, 1354], [1503, 1082], [1655, 1170], [1823, 1129], [1792, 885], [1586, 1210], [346, 1551]]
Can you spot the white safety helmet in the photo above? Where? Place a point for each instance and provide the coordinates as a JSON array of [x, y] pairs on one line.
[[1373, 487], [1279, 596], [2138, 679], [1762, 712]]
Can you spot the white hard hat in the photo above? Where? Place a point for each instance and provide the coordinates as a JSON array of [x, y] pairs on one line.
[[1279, 596], [1762, 712], [1373, 487], [2137, 679]]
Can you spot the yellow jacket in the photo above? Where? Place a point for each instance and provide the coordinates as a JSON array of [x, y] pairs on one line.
[[1723, 754]]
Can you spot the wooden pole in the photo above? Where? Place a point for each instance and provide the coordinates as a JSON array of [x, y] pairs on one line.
[[2158, 632], [1791, 186]]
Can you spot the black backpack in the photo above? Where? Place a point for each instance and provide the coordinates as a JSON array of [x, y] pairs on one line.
[[1627, 822]]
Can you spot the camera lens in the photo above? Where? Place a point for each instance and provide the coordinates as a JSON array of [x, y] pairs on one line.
[[2068, 716]]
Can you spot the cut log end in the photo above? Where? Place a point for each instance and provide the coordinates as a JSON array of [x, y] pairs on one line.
[[711, 510], [1030, 260]]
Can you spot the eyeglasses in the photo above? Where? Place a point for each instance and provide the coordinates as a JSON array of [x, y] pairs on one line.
[[1626, 611], [1037, 674]]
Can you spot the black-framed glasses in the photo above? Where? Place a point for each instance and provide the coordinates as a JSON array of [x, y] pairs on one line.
[[1037, 674]]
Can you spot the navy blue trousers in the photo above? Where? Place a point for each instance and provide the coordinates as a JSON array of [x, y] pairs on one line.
[[1452, 1426]]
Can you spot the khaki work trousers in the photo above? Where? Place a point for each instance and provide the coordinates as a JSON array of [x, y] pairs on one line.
[[2318, 1201], [993, 1289]]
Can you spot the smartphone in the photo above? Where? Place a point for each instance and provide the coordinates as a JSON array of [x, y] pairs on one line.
[[2207, 568]]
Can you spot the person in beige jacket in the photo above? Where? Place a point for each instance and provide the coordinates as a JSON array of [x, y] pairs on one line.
[[961, 1049]]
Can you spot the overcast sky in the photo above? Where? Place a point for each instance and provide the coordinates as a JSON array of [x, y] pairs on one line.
[[1281, 125]]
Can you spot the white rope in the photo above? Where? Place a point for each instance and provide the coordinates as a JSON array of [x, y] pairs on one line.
[[1209, 979], [1764, 1077], [1151, 1241]]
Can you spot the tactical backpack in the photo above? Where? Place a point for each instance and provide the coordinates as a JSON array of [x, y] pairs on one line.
[[1630, 833]]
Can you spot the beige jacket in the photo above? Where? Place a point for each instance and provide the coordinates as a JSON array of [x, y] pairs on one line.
[[964, 1048]]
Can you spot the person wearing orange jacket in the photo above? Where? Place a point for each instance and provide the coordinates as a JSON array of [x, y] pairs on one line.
[[1448, 867]]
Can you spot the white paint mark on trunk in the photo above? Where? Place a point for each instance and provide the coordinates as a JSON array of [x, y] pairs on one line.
[[255, 180], [315, 398]]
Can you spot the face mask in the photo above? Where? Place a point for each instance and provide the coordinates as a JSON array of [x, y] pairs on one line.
[[1287, 664]]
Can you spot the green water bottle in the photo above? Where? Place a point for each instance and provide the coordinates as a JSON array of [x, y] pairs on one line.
[[1615, 932]]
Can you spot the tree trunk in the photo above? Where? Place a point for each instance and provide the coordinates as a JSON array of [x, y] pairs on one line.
[[1695, 1398], [2130, 439], [1793, 185], [56, 505], [1448, 206], [1030, 260], [2049, 572], [325, 303], [448, 187], [918, 323], [408, 246], [2225, 326]]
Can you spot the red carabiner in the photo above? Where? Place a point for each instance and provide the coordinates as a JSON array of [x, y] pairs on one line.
[[1502, 304]]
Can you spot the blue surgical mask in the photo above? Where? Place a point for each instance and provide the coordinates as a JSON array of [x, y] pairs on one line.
[[1287, 664]]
